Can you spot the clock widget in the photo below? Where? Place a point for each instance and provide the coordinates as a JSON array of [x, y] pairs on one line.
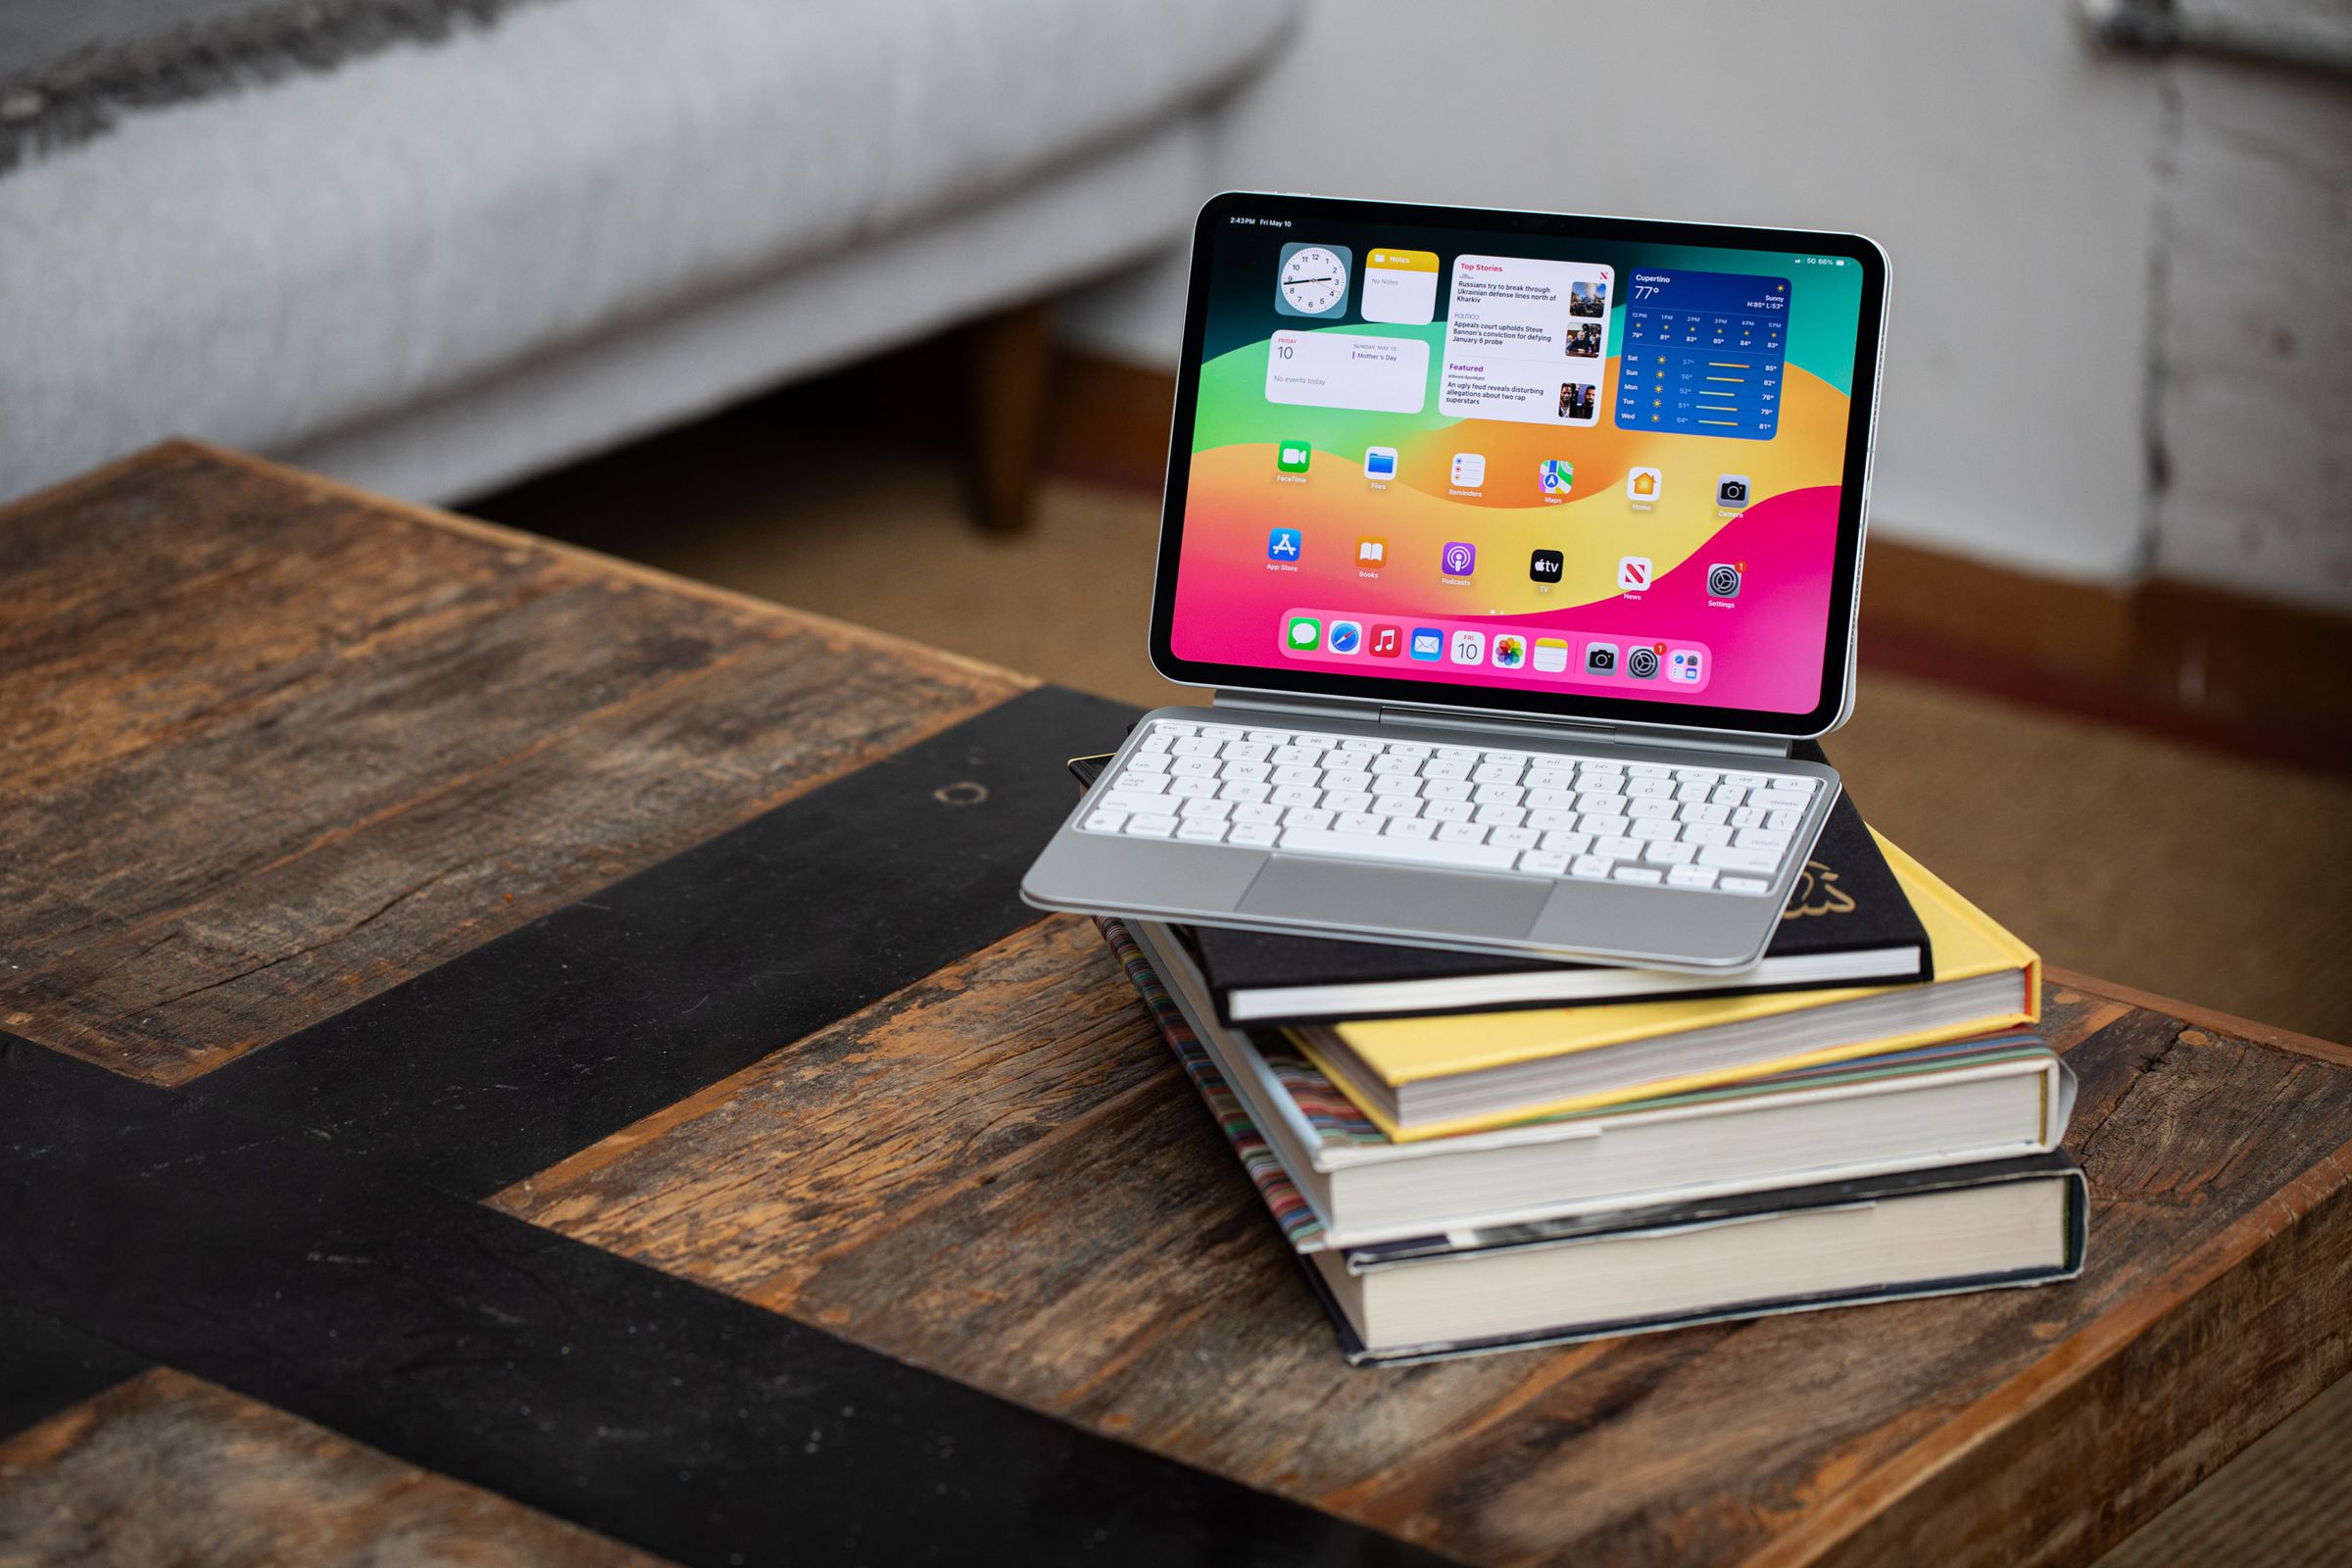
[[1312, 280]]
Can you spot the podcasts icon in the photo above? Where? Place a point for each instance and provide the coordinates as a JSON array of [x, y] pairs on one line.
[[1459, 560]]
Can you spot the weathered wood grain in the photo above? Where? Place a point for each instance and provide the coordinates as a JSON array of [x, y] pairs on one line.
[[169, 1469], [1092, 1250], [275, 747]]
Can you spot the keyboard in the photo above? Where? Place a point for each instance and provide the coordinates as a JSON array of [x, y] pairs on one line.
[[1549, 813]]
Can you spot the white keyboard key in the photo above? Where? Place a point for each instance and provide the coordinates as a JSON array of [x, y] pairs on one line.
[[1650, 809], [1121, 800], [1657, 788], [1690, 877], [1692, 793], [1296, 775], [1794, 785], [1747, 816], [1294, 795], [1410, 827], [1194, 767], [1461, 833], [1394, 764], [1256, 835], [1395, 805], [1149, 825], [1157, 741], [1706, 814], [1515, 838], [1130, 782], [1602, 825], [1191, 788], [1591, 867], [1206, 811], [1666, 852], [1353, 822], [1413, 749], [1638, 873], [1568, 843], [1418, 852], [1307, 817], [1499, 795], [1246, 751], [1346, 778], [1542, 862], [1507, 758], [1727, 794], [1537, 816], [1707, 833], [1347, 800], [1594, 766], [1589, 782], [1731, 858], [1760, 837], [1540, 777], [1618, 848], [1457, 753], [1145, 763], [1201, 830], [1194, 746], [1445, 789], [1743, 884], [1298, 757], [1104, 822], [1495, 773], [1783, 821], [1272, 737], [1357, 743], [1447, 810], [1696, 775], [1653, 831], [1257, 812], [1594, 801], [1749, 781], [1390, 784], [1443, 767], [1244, 792], [1246, 772], [1501, 815]]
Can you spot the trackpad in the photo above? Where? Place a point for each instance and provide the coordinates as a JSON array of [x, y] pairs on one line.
[[1341, 893]]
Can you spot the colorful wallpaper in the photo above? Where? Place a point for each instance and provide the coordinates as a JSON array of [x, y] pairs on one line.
[[1287, 519]]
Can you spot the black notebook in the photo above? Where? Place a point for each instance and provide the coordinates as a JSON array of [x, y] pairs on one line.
[[1847, 923]]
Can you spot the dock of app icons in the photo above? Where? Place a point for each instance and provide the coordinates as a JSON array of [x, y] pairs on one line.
[[1342, 637]]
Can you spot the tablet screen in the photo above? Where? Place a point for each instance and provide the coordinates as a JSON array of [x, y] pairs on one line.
[[1571, 463]]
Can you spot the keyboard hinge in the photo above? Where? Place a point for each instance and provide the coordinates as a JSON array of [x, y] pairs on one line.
[[1307, 707]]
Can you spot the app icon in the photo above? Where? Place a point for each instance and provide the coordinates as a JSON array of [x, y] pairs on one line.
[[1459, 560], [1633, 573], [1600, 658], [1371, 554], [1683, 665], [1724, 579], [1292, 457], [1386, 642], [1305, 634], [1282, 543], [1555, 478], [1511, 651], [1311, 279], [1730, 491], [1469, 470], [1546, 566], [1640, 664], [1643, 484], [1380, 462], [1400, 286], [1429, 644], [1551, 655], [1469, 647], [1347, 636]]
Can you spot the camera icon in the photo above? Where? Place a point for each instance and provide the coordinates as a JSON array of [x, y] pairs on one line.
[[1730, 491], [1642, 663], [1600, 658], [1723, 580]]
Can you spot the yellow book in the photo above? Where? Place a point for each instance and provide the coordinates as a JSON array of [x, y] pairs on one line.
[[1432, 1077]]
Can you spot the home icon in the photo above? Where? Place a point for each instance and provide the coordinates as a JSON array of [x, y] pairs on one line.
[[1642, 484]]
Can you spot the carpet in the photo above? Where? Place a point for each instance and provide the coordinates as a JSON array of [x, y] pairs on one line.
[[70, 68]]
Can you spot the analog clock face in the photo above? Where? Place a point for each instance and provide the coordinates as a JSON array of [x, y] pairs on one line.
[[1312, 280]]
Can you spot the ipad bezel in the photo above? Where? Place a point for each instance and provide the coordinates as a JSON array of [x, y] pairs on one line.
[[1838, 630]]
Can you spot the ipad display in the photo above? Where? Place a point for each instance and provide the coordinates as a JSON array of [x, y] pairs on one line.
[[1572, 465]]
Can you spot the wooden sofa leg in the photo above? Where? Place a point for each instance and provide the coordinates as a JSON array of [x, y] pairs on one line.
[[1009, 368]]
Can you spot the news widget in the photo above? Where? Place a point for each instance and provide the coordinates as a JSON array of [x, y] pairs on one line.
[[1338, 638]]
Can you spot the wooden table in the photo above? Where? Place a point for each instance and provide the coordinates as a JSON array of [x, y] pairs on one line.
[[515, 1053]]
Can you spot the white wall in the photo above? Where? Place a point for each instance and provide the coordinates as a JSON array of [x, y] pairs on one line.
[[2015, 172]]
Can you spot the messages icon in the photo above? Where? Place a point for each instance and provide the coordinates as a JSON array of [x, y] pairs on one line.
[[1305, 634]]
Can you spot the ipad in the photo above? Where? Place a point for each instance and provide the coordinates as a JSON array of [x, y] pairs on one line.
[[1522, 463]]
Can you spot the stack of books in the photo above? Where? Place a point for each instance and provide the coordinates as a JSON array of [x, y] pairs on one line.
[[1472, 1154]]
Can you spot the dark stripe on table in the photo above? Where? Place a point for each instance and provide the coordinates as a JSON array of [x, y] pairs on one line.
[[293, 1270], [505, 1060]]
